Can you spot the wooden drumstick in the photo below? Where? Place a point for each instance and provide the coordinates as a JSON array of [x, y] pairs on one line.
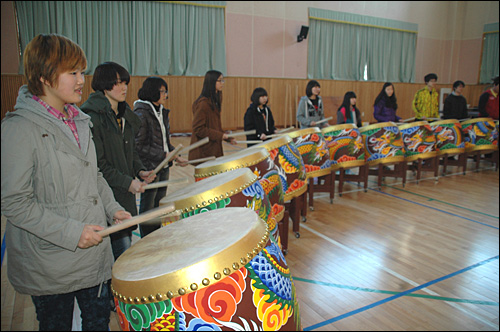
[[249, 142], [248, 132], [165, 183], [409, 119], [158, 212], [282, 131], [195, 145], [200, 160], [324, 120], [169, 158]]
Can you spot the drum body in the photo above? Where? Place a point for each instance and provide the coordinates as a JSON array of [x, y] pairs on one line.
[[419, 140], [383, 143], [314, 151], [345, 145], [449, 137], [236, 188], [217, 271], [290, 165], [259, 161], [480, 134]]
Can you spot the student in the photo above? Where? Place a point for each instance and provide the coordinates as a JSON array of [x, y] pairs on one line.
[[53, 195], [207, 118], [488, 102], [152, 141], [348, 112], [259, 117], [310, 108], [114, 129], [426, 101], [455, 105], [385, 106]]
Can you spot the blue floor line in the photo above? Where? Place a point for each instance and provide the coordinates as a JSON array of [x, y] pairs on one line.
[[394, 297]]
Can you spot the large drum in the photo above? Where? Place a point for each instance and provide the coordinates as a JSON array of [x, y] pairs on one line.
[[236, 188], [290, 165], [314, 151], [419, 140], [480, 134], [383, 143], [260, 162], [449, 137], [345, 145], [217, 271]]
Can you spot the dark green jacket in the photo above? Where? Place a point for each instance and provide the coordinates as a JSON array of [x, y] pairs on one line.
[[116, 154]]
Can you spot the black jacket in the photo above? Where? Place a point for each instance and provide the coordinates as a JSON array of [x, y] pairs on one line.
[[260, 120], [455, 107], [149, 138]]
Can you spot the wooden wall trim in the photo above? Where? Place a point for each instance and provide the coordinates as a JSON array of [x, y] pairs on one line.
[[283, 97]]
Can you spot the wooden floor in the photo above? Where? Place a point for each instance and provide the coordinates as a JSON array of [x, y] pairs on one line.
[[420, 257]]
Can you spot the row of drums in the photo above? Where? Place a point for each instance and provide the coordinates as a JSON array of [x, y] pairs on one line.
[[217, 263]]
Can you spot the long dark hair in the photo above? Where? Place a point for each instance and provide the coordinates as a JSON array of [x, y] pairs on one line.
[[209, 91], [390, 102], [347, 104], [150, 90]]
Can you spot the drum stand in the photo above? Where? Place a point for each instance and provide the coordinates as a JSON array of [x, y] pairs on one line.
[[382, 171], [326, 184], [488, 155], [283, 231], [461, 162], [296, 208], [428, 164], [362, 176]]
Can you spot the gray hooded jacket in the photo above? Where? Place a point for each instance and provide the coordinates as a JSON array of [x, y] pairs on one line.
[[50, 189]]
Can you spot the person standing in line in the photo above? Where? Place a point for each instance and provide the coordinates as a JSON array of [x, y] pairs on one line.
[[455, 105], [114, 129], [310, 109], [488, 102], [386, 104], [207, 118], [348, 112], [53, 196], [259, 117], [152, 141], [426, 100]]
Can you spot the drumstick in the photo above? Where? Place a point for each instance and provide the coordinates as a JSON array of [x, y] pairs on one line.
[[248, 132], [195, 145], [324, 120], [408, 120], [169, 158], [464, 119], [158, 212], [285, 130], [200, 160], [249, 142], [165, 183]]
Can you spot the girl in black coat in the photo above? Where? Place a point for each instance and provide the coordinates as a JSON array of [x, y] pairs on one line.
[[259, 117]]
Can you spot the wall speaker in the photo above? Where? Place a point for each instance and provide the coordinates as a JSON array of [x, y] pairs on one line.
[[303, 33]]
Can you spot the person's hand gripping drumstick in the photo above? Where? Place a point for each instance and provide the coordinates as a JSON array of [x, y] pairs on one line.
[[90, 235]]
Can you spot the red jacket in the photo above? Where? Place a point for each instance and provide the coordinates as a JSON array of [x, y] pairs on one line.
[[488, 105]]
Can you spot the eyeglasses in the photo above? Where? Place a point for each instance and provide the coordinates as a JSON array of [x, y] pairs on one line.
[[164, 92], [222, 81]]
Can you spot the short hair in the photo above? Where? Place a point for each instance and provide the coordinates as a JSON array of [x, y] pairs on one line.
[[257, 93], [495, 80], [430, 77], [106, 75], [456, 84], [310, 86], [150, 90], [47, 56]]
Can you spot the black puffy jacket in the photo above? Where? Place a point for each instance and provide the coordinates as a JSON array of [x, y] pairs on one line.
[[149, 139]]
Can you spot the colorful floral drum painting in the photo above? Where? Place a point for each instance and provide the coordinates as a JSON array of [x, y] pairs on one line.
[[314, 151], [383, 143], [290, 165], [345, 145], [219, 271], [480, 134], [259, 161], [449, 137], [419, 140], [236, 188]]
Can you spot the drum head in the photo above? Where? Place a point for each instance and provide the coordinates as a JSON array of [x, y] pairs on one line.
[[210, 189], [188, 254]]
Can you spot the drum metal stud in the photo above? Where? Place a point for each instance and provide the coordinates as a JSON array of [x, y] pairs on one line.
[[170, 294], [159, 297], [217, 276], [236, 266], [193, 286], [227, 271], [181, 291], [205, 282]]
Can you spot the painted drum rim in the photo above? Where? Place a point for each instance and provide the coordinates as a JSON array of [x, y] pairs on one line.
[[348, 164], [413, 124], [256, 156], [198, 275], [385, 161], [426, 155], [477, 120], [442, 122], [377, 126], [274, 143], [339, 127], [303, 132], [212, 195]]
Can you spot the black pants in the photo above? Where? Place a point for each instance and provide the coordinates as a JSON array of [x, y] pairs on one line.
[[55, 312], [150, 199]]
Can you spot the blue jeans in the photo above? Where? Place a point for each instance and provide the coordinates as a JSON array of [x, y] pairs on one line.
[[150, 199], [55, 312], [120, 241]]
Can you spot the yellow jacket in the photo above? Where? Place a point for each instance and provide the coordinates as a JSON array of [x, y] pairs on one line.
[[425, 104]]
